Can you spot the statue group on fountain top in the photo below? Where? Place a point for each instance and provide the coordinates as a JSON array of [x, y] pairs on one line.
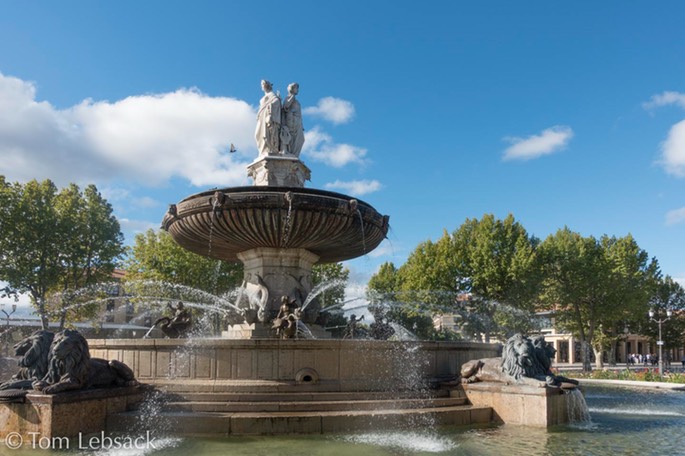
[[279, 124]]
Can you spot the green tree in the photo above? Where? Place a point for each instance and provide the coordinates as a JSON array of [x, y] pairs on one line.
[[667, 295], [386, 298], [54, 241], [331, 279], [595, 286], [493, 261], [156, 256], [632, 277], [385, 281], [335, 275], [95, 245]]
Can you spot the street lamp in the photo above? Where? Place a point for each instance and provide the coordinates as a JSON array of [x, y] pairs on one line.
[[7, 317], [660, 342]]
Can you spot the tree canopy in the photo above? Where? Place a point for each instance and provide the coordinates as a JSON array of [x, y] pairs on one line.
[[56, 242], [490, 262], [667, 295], [595, 286], [156, 256], [492, 275]]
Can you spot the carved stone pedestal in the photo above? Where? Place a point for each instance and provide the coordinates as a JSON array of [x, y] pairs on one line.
[[525, 405], [247, 331], [65, 415], [283, 272], [278, 171], [258, 331]]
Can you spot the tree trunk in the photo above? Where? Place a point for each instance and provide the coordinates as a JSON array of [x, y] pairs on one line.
[[599, 359], [587, 361], [44, 321], [612, 353], [40, 307]]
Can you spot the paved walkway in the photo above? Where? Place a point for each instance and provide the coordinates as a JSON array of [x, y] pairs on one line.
[[633, 384]]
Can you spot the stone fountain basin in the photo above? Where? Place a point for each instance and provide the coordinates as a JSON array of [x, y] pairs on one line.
[[333, 226], [256, 365]]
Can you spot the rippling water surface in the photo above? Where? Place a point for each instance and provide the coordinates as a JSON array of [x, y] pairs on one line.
[[624, 422]]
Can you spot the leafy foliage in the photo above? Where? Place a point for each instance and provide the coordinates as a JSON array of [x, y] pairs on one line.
[[56, 242], [667, 295], [491, 262], [595, 286], [327, 273], [156, 256]]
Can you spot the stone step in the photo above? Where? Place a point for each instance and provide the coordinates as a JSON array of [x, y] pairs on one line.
[[305, 422], [178, 396], [267, 386], [311, 405]]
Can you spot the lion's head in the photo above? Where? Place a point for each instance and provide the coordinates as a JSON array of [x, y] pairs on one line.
[[518, 357], [69, 357], [34, 352]]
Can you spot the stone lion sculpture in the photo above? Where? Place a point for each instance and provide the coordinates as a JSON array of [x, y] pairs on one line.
[[522, 362], [545, 353], [33, 364], [70, 367]]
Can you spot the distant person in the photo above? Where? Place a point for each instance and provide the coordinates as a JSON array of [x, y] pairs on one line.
[[683, 360]]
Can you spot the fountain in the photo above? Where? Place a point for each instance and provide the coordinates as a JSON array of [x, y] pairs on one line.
[[275, 368], [260, 377]]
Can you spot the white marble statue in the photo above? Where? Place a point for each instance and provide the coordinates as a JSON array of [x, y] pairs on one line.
[[268, 129], [292, 122]]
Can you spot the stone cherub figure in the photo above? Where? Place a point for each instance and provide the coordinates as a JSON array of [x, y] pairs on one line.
[[285, 322], [177, 326]]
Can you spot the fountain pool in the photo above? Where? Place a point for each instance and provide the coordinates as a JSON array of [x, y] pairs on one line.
[[624, 421]]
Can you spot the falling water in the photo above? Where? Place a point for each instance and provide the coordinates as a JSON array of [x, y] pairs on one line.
[[303, 331], [577, 407], [217, 202], [361, 224], [320, 288], [286, 230], [402, 333], [147, 334]]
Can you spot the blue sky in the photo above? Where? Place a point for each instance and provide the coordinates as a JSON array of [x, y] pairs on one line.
[[562, 114]]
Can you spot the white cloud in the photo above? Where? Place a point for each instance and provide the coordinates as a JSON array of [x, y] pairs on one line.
[[320, 146], [675, 216], [673, 150], [680, 280], [148, 138], [665, 99], [549, 141], [360, 187], [332, 109]]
